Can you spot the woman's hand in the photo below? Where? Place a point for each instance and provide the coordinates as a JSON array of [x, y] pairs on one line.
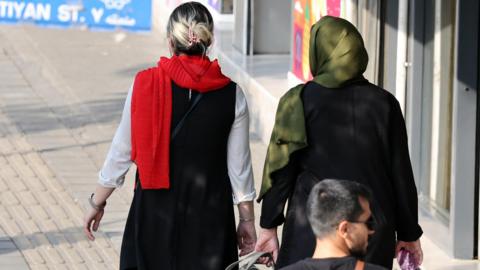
[[268, 242], [93, 216], [95, 213], [414, 247], [246, 237]]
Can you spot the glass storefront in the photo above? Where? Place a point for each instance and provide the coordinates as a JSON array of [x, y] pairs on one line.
[[414, 52], [436, 107]]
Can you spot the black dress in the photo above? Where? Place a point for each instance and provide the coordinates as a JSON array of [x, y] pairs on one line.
[[191, 225], [355, 133]]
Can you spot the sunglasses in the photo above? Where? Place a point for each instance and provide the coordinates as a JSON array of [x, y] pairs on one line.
[[370, 223]]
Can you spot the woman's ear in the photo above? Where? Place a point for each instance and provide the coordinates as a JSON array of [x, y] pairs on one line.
[[170, 45], [209, 48]]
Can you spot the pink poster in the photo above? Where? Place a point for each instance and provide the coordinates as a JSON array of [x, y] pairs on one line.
[[173, 3], [334, 7], [305, 14]]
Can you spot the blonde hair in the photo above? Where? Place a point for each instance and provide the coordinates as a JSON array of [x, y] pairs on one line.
[[190, 29]]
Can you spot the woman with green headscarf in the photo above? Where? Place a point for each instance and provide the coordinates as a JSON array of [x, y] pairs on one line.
[[338, 126]]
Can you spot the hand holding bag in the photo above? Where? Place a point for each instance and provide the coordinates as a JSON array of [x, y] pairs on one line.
[[248, 261], [406, 260]]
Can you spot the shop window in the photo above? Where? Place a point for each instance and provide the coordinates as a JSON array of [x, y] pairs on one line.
[[262, 27], [436, 107]]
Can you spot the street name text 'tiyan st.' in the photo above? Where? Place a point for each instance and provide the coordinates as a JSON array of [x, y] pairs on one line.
[[28, 11]]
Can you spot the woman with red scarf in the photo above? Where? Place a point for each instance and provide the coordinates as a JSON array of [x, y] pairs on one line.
[[185, 126]]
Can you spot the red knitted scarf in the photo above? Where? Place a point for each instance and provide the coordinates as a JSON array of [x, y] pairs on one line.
[[151, 111]]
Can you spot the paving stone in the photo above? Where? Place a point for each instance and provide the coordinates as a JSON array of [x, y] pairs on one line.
[[20, 166], [7, 244], [38, 165], [102, 242], [45, 198], [7, 198], [35, 183], [3, 160], [10, 226], [28, 226], [19, 212], [66, 199], [48, 226], [13, 263], [4, 213], [33, 256], [109, 253], [40, 240], [78, 239], [8, 172], [27, 199], [92, 255], [81, 266], [37, 211], [60, 267], [22, 242], [74, 211], [42, 184], [39, 267], [3, 185], [16, 185], [22, 145], [51, 255], [6, 146], [56, 212], [67, 225], [97, 266], [58, 239], [72, 256]]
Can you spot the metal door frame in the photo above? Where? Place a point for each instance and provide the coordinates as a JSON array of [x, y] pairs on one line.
[[461, 233]]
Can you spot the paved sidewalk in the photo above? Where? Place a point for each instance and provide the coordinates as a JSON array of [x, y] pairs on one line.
[[37, 212]]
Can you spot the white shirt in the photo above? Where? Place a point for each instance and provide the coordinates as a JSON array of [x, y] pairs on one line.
[[239, 162]]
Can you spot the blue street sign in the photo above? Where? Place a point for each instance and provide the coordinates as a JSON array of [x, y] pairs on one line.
[[106, 14]]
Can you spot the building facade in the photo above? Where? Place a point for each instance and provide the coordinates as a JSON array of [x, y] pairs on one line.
[[427, 54]]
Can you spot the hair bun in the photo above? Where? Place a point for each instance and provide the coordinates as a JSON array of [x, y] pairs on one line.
[[190, 28], [200, 33]]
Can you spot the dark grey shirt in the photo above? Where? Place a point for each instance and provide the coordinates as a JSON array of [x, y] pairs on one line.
[[343, 263]]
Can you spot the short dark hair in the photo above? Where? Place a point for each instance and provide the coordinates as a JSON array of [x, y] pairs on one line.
[[332, 201]]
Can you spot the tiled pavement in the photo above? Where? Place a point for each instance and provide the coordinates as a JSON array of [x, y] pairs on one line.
[[39, 161]]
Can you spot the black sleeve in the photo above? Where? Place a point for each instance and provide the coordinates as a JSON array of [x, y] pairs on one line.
[[274, 201], [406, 198], [369, 266]]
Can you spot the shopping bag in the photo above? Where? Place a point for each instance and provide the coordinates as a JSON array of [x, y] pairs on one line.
[[406, 260], [247, 262]]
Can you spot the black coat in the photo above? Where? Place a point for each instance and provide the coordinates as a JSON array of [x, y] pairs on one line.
[[355, 133]]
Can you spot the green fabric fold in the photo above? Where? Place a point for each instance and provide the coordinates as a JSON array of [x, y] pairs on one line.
[[337, 57], [288, 136]]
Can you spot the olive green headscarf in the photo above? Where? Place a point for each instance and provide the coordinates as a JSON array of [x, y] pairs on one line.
[[337, 58]]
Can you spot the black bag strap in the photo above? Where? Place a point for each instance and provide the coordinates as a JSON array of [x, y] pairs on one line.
[[180, 123]]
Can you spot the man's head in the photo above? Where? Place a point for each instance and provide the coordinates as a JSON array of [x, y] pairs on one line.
[[340, 211]]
